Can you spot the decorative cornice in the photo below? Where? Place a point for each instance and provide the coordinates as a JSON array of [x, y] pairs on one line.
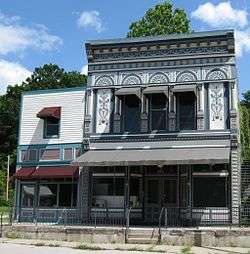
[[160, 64], [173, 137], [136, 53]]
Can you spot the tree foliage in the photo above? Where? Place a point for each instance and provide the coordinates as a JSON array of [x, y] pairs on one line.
[[49, 76], [245, 126], [160, 20]]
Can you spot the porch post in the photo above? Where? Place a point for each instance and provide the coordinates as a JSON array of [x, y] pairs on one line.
[[127, 191], [172, 111], [84, 189]]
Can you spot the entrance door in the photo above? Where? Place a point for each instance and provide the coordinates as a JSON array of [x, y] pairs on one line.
[[160, 192]]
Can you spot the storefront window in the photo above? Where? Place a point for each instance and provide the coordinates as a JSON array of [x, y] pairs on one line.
[[27, 195], [67, 194], [210, 192], [48, 195], [108, 192]]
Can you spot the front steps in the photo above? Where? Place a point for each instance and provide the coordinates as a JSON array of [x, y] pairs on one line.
[[143, 236]]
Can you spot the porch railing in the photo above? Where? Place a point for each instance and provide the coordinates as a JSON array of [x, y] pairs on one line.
[[166, 217]]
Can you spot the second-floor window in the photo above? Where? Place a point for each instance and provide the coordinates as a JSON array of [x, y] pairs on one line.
[[186, 108], [158, 111], [131, 108], [51, 127]]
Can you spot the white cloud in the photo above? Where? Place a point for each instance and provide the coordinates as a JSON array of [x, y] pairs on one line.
[[221, 15], [15, 37], [90, 19], [84, 69], [242, 42], [11, 73]]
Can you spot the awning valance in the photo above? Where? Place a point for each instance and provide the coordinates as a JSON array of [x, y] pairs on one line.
[[156, 89], [129, 91], [184, 88], [24, 172], [172, 156], [50, 112], [55, 172]]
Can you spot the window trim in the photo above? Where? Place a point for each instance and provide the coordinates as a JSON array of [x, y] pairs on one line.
[[45, 124], [42, 149]]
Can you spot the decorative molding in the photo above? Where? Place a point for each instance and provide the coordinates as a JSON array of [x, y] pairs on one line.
[[186, 76], [104, 56], [103, 110], [158, 78], [132, 79], [216, 74], [104, 81], [216, 106], [162, 63], [166, 76]]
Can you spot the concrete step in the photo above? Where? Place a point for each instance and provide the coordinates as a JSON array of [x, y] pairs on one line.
[[142, 240]]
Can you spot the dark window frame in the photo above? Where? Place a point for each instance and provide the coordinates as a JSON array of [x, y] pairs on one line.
[[178, 114], [123, 114], [46, 125], [151, 110]]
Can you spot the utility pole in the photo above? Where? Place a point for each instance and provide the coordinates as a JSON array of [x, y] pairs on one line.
[[8, 178]]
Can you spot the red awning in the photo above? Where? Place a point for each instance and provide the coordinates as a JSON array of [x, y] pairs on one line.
[[50, 112], [24, 173], [56, 172]]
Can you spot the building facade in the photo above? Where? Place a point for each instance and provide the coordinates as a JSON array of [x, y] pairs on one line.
[[160, 130], [50, 138]]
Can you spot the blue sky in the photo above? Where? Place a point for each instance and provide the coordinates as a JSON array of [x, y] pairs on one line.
[[33, 33]]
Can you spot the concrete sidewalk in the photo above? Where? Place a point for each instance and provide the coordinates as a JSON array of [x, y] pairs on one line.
[[127, 247]]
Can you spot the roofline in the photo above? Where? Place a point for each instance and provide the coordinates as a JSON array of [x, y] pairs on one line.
[[55, 90], [160, 38]]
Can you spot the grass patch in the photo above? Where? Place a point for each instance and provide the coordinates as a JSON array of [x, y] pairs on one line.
[[186, 250], [11, 235], [88, 247], [4, 209]]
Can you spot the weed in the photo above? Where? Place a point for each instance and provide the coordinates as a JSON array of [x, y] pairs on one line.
[[88, 247], [54, 245], [39, 244], [11, 235], [186, 250]]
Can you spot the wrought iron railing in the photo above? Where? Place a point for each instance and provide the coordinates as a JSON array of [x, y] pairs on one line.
[[165, 217]]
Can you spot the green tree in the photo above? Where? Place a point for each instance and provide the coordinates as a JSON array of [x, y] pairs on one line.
[[160, 20], [245, 125], [49, 76]]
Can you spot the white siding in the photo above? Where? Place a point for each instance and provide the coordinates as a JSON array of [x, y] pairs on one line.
[[72, 117]]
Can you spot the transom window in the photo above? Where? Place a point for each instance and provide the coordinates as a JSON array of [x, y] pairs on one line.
[[51, 127], [158, 111]]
